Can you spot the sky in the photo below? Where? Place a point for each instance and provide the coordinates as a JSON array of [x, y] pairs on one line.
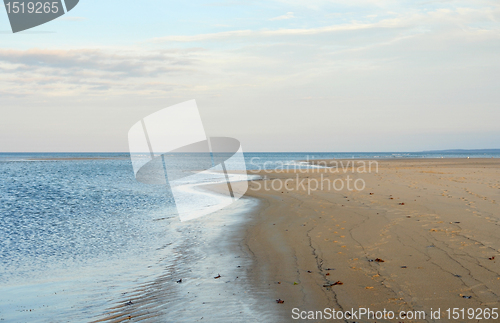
[[278, 75]]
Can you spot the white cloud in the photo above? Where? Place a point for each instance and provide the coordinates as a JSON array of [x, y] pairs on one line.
[[74, 72], [288, 15], [413, 21], [387, 23]]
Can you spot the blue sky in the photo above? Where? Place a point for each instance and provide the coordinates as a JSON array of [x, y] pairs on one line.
[[278, 75]]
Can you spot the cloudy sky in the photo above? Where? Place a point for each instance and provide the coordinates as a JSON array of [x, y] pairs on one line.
[[282, 75]]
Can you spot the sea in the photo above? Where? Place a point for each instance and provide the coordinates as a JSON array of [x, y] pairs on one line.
[[82, 240]]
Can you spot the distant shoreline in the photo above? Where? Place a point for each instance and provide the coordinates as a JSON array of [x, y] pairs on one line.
[[464, 151]]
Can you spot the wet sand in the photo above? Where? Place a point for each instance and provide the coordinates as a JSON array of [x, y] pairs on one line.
[[205, 277], [433, 225]]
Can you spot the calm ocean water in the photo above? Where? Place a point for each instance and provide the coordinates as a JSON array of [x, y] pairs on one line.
[[78, 234]]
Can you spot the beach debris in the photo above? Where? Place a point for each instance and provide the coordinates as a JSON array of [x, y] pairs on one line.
[[372, 193], [128, 303], [402, 203], [295, 283], [379, 260], [309, 271], [338, 282], [457, 275], [492, 258], [465, 296], [327, 274], [278, 283], [404, 267], [280, 301], [368, 287], [179, 281], [216, 277], [329, 269]]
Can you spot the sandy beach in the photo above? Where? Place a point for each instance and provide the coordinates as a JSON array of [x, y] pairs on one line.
[[422, 235]]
